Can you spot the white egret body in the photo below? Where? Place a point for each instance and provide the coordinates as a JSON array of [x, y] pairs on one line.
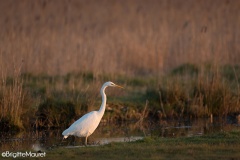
[[87, 124]]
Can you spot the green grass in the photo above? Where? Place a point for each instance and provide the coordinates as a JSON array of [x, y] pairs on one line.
[[223, 145], [187, 91]]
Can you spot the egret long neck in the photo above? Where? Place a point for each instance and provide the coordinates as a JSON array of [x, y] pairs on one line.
[[104, 100]]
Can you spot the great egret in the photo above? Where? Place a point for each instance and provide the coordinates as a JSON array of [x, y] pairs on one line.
[[87, 124]]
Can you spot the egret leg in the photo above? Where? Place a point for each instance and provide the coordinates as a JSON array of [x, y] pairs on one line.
[[86, 139]]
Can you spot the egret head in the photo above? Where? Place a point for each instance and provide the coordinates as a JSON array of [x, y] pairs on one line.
[[111, 84]]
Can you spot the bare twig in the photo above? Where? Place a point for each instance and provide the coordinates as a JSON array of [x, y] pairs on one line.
[[161, 103]]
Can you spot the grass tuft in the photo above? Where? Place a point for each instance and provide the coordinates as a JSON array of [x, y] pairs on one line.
[[42, 100]]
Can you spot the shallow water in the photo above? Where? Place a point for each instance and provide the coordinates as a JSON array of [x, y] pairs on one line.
[[104, 134]]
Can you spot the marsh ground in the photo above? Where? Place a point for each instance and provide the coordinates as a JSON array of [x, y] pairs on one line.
[[222, 145]]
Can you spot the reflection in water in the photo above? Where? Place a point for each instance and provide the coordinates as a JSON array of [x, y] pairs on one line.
[[47, 139], [119, 139], [103, 141]]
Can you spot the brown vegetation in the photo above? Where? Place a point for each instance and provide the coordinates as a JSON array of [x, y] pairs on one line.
[[67, 49], [12, 100], [127, 37], [187, 92]]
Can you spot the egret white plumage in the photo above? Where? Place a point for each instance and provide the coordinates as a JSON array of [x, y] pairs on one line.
[[87, 124]]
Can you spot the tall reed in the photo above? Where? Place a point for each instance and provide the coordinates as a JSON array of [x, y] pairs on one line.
[[196, 91], [129, 37], [12, 98]]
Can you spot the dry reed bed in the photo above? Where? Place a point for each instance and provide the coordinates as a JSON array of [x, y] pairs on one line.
[[72, 36], [105, 40]]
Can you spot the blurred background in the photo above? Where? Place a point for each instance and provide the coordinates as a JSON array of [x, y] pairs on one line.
[[134, 37], [177, 59]]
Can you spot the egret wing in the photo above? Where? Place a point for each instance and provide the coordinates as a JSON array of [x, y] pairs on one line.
[[84, 126]]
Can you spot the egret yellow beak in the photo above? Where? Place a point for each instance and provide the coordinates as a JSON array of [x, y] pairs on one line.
[[119, 86]]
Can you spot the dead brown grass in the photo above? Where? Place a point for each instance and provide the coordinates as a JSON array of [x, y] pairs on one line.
[[128, 37], [12, 98]]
